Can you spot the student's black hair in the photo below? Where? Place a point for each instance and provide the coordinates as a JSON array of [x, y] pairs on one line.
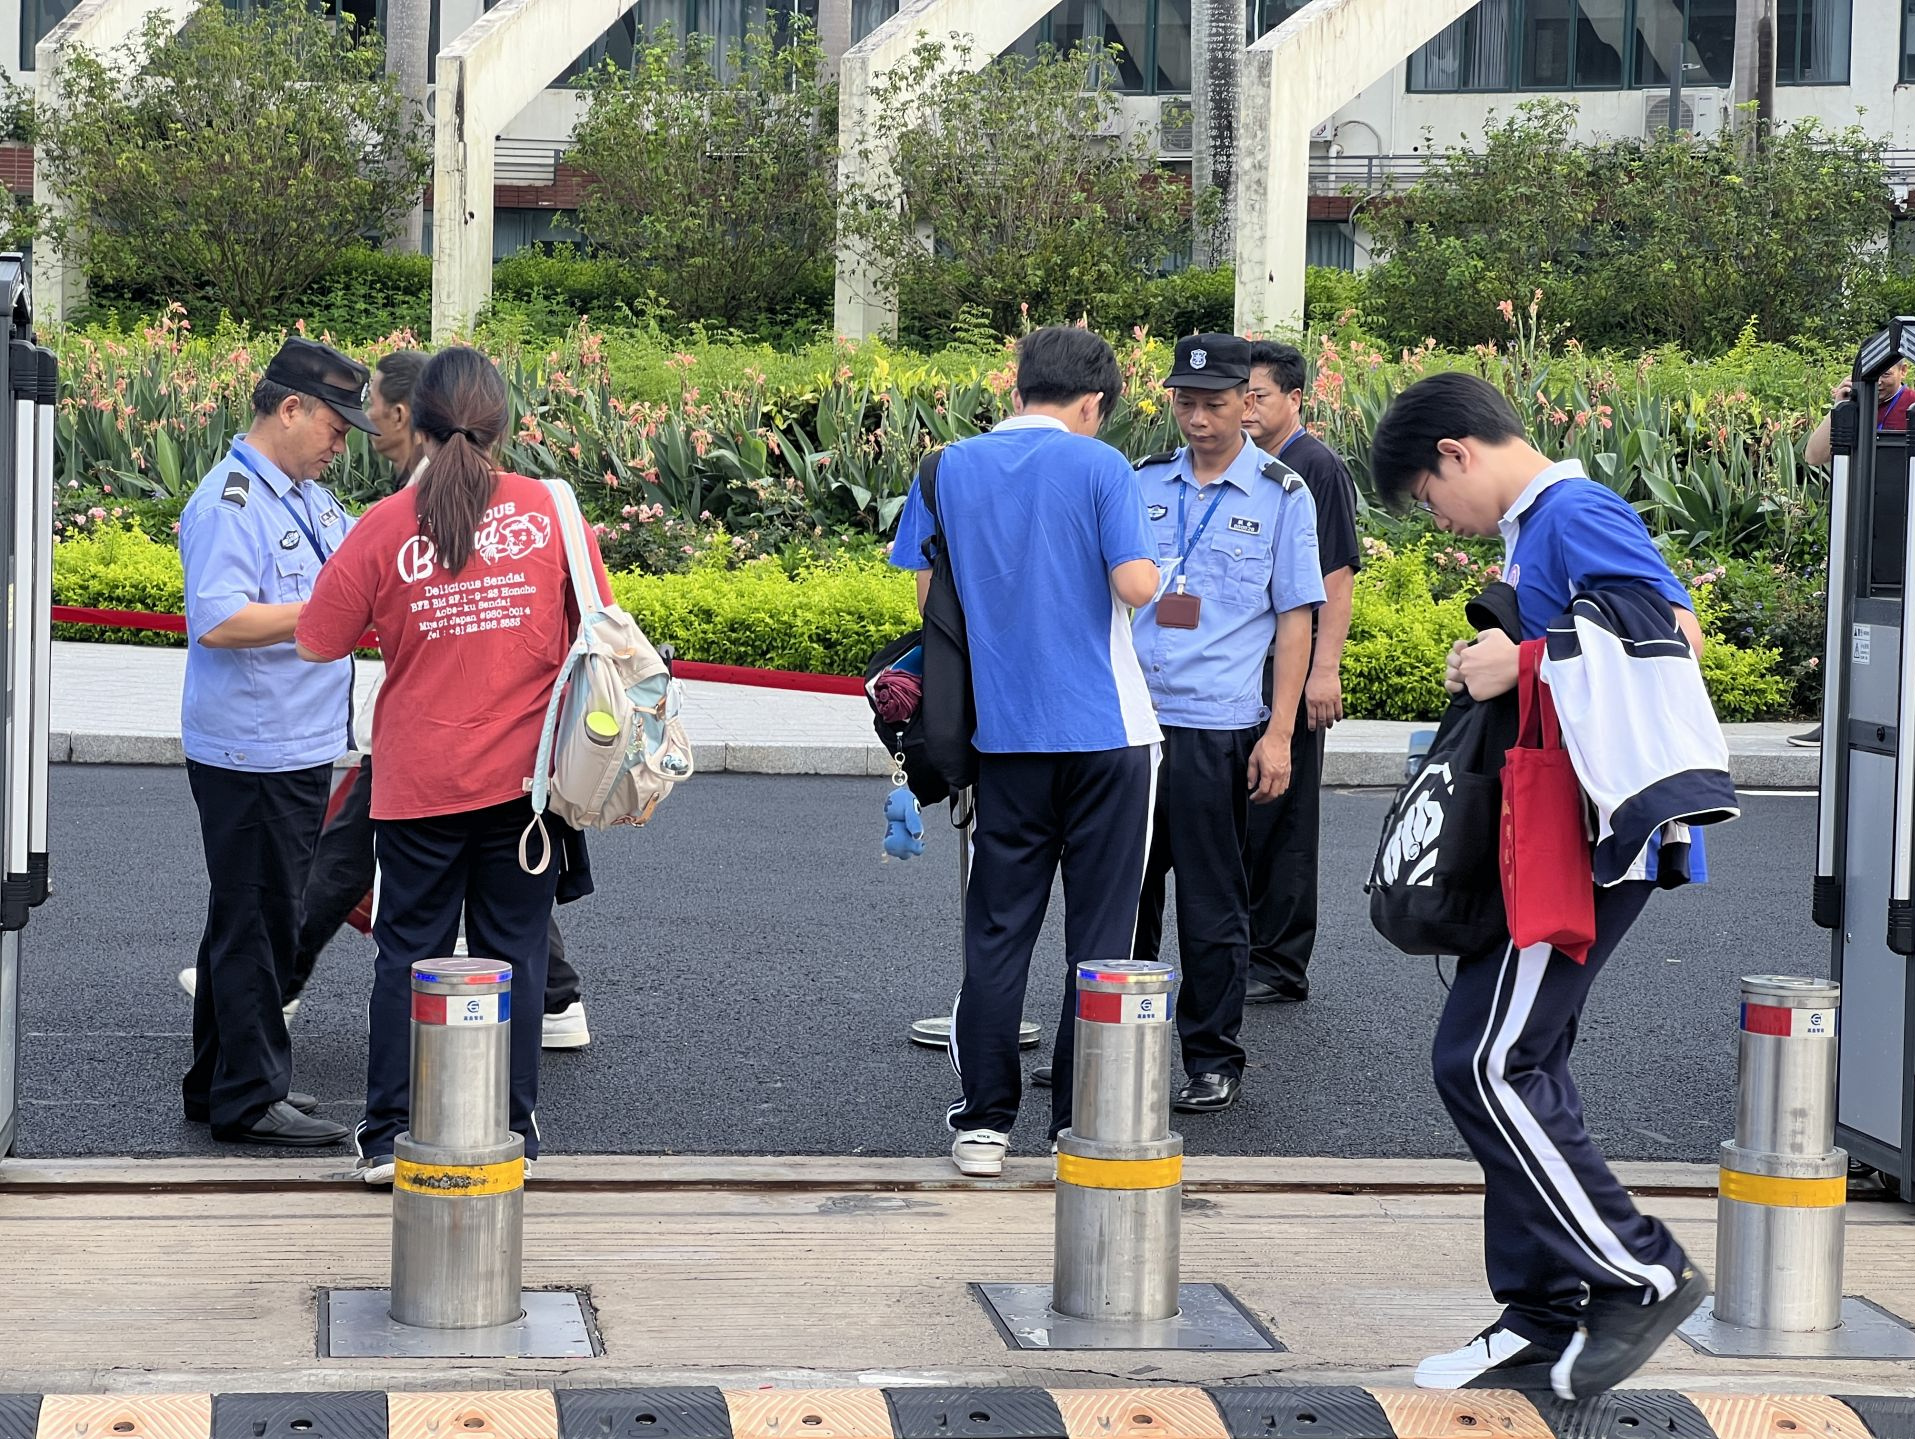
[[1284, 362], [1449, 406], [1061, 363]]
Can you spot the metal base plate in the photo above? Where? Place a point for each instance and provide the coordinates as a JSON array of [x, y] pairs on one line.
[[936, 1033], [1209, 1318], [358, 1324], [1868, 1332]]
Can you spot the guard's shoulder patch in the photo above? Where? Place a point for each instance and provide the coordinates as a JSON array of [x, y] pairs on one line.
[[1280, 472], [1167, 457], [238, 488]]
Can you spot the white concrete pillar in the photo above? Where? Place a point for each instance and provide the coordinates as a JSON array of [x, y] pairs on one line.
[[1294, 79], [834, 32], [408, 60], [865, 306], [96, 25], [1217, 34]]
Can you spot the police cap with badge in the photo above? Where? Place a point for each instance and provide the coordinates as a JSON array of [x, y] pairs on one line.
[[336, 380]]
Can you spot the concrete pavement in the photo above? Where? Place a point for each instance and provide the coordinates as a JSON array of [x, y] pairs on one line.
[[120, 704]]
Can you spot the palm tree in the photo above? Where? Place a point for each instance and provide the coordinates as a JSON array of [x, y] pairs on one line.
[[408, 58], [1218, 29]]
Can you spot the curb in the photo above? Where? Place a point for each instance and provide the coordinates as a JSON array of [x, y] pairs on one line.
[[1169, 1412], [1367, 768]]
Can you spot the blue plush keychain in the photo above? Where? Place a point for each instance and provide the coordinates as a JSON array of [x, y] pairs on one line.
[[904, 834]]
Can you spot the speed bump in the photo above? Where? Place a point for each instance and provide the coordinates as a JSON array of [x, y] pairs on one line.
[[819, 1413], [345, 1415], [19, 1416], [643, 1414], [1139, 1414], [126, 1416], [1779, 1416], [1008, 1413], [1887, 1416], [1303, 1412], [1628, 1414], [1461, 1414], [486, 1414]]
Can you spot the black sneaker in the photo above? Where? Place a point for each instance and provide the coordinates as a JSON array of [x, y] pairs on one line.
[[1811, 740], [1619, 1334], [1498, 1358]]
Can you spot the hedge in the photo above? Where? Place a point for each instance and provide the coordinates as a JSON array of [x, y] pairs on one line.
[[829, 617]]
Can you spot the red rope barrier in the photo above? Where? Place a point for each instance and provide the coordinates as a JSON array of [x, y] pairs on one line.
[[684, 669]]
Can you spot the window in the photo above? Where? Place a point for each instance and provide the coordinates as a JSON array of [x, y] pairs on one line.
[[868, 15], [1602, 39], [1154, 34], [1908, 42], [1812, 42], [37, 19], [1549, 28], [725, 21], [1472, 54], [1706, 34], [1172, 34], [1266, 15]]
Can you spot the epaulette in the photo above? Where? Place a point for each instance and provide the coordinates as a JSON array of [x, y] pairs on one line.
[[1167, 457], [239, 488], [1280, 472]]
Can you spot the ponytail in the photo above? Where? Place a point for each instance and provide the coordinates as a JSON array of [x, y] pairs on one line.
[[460, 404]]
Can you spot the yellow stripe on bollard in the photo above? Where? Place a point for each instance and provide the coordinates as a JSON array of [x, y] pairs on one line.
[[1120, 1173], [1784, 1193], [459, 1181]]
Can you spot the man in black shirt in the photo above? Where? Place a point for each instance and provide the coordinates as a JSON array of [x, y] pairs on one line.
[[1280, 850]]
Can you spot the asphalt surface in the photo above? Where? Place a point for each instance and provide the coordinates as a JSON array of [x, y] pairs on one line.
[[751, 969]]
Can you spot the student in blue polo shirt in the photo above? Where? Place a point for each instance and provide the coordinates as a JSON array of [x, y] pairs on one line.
[[1050, 548], [1591, 1287], [1236, 540]]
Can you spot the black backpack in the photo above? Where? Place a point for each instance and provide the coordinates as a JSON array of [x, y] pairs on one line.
[[936, 742], [1436, 885]]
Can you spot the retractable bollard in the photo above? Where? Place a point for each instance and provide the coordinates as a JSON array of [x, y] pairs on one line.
[[458, 1201], [1784, 1184], [1119, 1168]]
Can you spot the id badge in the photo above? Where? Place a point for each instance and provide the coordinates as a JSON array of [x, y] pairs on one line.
[[1179, 611]]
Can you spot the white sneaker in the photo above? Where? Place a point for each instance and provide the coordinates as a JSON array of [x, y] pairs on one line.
[[376, 1172], [980, 1153], [1498, 1358], [189, 981], [566, 1029]]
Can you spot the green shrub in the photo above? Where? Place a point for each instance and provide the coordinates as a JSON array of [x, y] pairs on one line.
[[1190, 302], [1400, 637], [1743, 683], [1330, 295], [118, 568]]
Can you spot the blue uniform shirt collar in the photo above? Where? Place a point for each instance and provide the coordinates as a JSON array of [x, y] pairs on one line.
[[1243, 471], [275, 478], [1511, 523]]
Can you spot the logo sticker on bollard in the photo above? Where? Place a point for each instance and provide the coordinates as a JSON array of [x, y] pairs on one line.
[[1123, 1008], [1791, 1023], [461, 1010]]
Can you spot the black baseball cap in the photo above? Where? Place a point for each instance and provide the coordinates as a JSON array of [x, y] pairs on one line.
[[334, 379], [1210, 362]]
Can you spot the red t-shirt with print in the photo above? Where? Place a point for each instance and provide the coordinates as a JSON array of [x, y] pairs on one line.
[[470, 658]]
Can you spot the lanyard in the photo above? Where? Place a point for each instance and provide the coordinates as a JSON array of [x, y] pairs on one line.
[[1295, 435], [1176, 570], [303, 521], [1888, 409]]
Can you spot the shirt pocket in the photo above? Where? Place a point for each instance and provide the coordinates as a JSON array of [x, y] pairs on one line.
[[1237, 569], [294, 572]]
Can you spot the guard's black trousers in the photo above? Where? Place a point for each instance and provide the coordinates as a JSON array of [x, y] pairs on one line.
[[1202, 799], [1554, 1217], [1280, 861], [1089, 812], [342, 876], [258, 831], [429, 871]]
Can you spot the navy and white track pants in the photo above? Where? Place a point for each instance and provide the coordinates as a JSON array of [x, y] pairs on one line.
[[1554, 1218]]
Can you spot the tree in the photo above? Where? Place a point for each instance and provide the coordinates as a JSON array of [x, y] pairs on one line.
[[232, 161], [715, 181], [1009, 186]]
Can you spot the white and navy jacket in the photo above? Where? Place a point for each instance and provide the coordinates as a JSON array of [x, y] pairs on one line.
[[1639, 729]]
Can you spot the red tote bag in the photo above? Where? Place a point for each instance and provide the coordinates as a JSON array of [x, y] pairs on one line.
[[1549, 885]]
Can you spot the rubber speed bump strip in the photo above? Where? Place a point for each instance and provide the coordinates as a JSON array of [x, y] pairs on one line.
[[1773, 1193], [1304, 1413], [820, 1413], [346, 1415], [126, 1416], [459, 1181], [1120, 1173], [1628, 1414], [643, 1414], [979, 1413], [1139, 1414], [19, 1416], [1779, 1416], [1887, 1417], [1476, 1413], [487, 1414]]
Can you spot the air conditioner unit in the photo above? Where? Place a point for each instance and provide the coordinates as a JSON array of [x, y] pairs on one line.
[[1711, 111], [1176, 127], [1323, 134], [1655, 119]]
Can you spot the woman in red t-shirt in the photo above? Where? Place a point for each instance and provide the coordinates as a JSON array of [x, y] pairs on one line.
[[464, 577]]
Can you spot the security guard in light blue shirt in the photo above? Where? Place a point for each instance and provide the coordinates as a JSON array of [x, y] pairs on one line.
[[1237, 546], [261, 729]]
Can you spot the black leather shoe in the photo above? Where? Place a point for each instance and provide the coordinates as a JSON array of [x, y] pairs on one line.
[[304, 1103], [1041, 1076], [1257, 992], [285, 1127], [1206, 1092]]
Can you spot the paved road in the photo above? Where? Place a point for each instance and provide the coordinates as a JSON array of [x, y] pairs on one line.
[[751, 968]]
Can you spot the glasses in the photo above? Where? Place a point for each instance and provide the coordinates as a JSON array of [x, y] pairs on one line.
[[1419, 496]]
